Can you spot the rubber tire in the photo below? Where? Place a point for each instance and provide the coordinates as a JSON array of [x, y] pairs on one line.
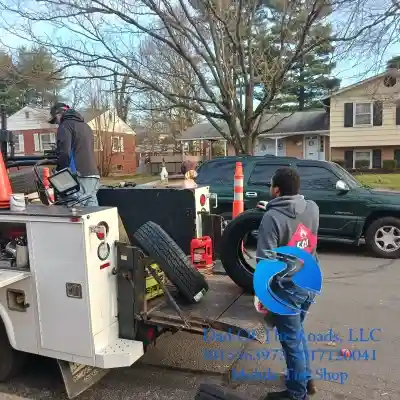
[[172, 261], [11, 361], [216, 392], [370, 234], [230, 243]]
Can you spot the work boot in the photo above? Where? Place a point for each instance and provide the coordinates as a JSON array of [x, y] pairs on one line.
[[311, 388], [281, 396]]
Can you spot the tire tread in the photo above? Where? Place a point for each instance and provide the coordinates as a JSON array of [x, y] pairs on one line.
[[171, 259]]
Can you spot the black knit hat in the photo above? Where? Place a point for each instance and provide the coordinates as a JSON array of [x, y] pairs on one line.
[[58, 108]]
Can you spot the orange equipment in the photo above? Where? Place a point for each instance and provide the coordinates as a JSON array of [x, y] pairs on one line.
[[46, 184], [201, 251], [5, 185], [238, 203]]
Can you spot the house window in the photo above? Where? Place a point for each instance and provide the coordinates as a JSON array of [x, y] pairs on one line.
[[363, 114], [18, 144], [27, 114], [117, 144], [44, 141], [120, 167], [362, 159], [47, 141]]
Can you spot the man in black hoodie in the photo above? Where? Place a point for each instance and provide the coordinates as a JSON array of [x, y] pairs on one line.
[[290, 220], [75, 148]]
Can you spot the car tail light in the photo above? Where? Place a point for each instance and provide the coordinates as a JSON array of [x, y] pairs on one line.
[[203, 200]]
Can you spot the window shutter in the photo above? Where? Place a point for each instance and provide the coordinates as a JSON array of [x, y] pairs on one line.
[[378, 113], [398, 115], [21, 143], [36, 140], [397, 157], [376, 159], [52, 137], [348, 115], [348, 158], [121, 144]]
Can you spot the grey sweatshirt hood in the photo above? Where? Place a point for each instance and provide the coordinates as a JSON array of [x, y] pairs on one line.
[[291, 206], [288, 221]]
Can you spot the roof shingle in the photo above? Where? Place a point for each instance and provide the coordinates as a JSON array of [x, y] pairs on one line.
[[272, 124]]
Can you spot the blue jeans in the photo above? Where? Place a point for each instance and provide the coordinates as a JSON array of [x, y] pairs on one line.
[[89, 186], [294, 344]]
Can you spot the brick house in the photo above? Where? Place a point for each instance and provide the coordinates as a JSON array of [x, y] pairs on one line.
[[302, 134], [115, 145]]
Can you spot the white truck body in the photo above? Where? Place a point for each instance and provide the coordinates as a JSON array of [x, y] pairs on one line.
[[71, 311]]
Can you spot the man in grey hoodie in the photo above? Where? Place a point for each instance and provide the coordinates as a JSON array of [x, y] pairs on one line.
[[290, 220]]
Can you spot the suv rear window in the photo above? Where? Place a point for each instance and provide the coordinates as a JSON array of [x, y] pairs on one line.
[[221, 172], [316, 178], [263, 172]]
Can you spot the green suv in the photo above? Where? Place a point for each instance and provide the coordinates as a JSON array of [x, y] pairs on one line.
[[349, 210]]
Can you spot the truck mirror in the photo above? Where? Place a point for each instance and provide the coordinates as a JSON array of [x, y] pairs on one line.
[[342, 186]]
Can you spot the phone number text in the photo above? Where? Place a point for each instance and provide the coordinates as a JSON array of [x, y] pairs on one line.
[[278, 354]]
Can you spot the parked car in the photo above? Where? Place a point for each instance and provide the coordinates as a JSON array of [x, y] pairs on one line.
[[349, 210]]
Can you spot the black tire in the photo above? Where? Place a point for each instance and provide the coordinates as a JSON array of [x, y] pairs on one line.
[[172, 260], [216, 392], [11, 361], [227, 216], [231, 255], [370, 237]]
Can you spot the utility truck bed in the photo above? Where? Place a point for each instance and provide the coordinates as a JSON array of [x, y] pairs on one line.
[[224, 308]]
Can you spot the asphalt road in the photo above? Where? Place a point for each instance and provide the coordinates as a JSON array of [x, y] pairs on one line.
[[359, 293]]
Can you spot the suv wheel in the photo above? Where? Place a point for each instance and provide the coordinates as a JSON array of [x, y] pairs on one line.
[[383, 237]]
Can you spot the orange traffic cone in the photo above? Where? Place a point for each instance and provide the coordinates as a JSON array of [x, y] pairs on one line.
[[238, 203], [5, 185], [46, 184]]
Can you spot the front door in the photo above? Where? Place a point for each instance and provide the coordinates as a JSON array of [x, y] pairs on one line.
[[312, 146]]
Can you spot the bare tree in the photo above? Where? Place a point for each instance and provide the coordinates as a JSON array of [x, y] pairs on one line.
[[107, 143], [223, 43], [172, 74]]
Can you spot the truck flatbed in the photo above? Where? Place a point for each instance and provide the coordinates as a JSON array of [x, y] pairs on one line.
[[224, 308]]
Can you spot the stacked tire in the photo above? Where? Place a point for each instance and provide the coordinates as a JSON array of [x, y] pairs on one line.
[[172, 260]]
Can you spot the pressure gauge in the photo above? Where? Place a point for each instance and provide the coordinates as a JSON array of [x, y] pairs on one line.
[[103, 251]]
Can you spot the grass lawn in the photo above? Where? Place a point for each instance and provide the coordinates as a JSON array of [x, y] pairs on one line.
[[384, 181], [138, 178]]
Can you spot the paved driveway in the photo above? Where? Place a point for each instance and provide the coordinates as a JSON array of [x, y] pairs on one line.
[[359, 293]]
